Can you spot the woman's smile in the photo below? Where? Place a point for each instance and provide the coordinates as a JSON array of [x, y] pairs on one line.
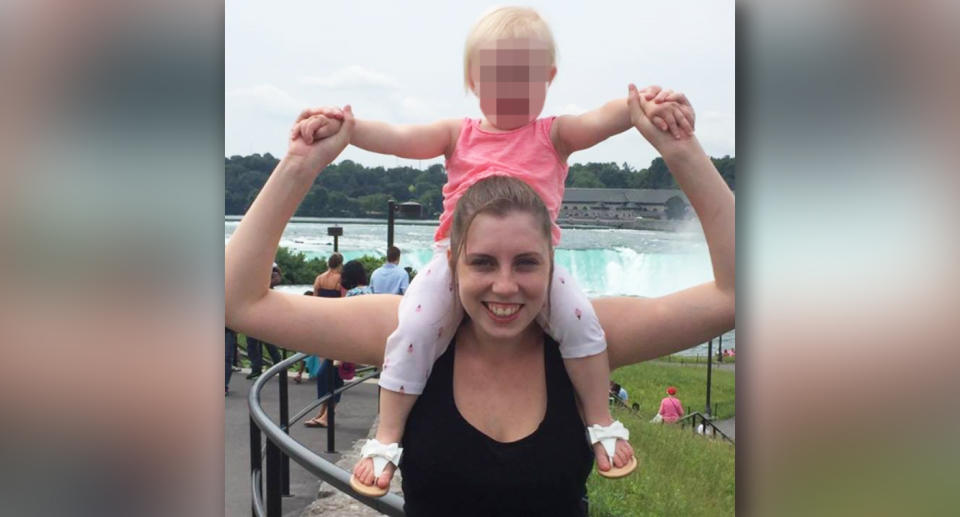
[[503, 312]]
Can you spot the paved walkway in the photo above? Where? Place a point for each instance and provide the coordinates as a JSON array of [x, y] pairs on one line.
[[355, 417], [728, 426]]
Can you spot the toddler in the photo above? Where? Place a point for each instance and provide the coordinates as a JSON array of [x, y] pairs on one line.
[[508, 65]]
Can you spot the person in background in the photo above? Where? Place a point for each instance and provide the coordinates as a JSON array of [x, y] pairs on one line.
[[327, 284], [671, 409], [353, 279], [298, 378], [254, 349], [618, 391], [390, 278]]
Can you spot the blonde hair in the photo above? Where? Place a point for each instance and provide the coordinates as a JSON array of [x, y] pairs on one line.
[[506, 22]]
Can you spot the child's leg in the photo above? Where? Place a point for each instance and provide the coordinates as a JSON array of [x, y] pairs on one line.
[[571, 320], [428, 317]]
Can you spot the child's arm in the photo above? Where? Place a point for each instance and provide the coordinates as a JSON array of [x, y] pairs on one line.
[[572, 133], [406, 141]]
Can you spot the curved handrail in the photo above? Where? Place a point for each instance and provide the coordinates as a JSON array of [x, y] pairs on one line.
[[255, 490], [390, 504]]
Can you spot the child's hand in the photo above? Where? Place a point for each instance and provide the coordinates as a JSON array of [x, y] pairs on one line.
[[313, 127], [319, 152], [662, 141], [668, 110]]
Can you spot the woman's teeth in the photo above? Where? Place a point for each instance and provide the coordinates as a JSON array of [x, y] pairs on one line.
[[503, 310]]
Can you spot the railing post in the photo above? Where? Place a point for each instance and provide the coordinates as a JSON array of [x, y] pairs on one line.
[[709, 372], [285, 425], [274, 480], [331, 407], [255, 463]]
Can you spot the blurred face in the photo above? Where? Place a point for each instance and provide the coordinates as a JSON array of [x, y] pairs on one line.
[[503, 273], [275, 278], [510, 77]]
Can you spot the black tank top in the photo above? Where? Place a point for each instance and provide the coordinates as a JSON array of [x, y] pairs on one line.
[[451, 468], [328, 293]]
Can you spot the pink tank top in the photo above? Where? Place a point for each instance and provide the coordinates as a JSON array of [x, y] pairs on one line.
[[525, 153]]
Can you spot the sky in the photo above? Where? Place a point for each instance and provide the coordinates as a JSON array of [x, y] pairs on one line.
[[402, 62]]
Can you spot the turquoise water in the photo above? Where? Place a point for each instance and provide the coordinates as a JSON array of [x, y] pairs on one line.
[[605, 262]]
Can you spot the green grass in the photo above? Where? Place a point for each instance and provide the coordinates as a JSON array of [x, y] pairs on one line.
[[680, 473], [697, 359], [646, 383]]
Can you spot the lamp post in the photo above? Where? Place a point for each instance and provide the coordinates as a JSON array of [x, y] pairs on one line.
[[336, 232], [391, 209], [408, 210]]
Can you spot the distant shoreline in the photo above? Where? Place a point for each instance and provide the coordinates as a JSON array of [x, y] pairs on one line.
[[689, 225]]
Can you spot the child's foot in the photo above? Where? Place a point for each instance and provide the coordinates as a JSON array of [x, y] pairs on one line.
[[363, 471], [374, 471], [624, 453], [613, 452]]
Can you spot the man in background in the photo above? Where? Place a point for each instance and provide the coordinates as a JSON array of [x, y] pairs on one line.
[[390, 278]]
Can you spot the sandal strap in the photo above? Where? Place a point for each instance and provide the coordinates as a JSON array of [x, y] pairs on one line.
[[381, 454], [608, 435]]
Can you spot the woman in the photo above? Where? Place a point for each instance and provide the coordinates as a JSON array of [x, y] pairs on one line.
[[671, 409], [353, 280], [496, 375], [327, 284]]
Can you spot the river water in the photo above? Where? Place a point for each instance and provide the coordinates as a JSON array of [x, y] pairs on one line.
[[606, 262]]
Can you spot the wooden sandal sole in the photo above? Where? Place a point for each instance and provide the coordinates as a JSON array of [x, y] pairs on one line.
[[615, 472], [367, 490]]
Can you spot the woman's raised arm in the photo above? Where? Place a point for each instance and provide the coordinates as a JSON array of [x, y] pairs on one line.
[[639, 329], [353, 329]]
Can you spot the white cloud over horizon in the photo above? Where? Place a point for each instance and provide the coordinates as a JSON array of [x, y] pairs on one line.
[[353, 76], [402, 63]]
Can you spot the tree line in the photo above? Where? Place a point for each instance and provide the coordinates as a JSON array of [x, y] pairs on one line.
[[348, 189]]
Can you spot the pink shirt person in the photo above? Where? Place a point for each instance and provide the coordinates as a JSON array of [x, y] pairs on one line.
[[671, 409]]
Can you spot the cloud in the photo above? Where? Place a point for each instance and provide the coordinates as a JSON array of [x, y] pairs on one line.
[[717, 132], [353, 76], [265, 97], [570, 109], [416, 109]]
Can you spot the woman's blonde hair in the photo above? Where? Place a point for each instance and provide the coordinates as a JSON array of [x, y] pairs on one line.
[[507, 22]]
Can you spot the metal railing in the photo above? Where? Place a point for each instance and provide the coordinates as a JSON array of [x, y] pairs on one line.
[[706, 422], [280, 448]]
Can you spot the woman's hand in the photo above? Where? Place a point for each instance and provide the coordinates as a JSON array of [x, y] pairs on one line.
[[663, 141], [317, 139], [670, 111]]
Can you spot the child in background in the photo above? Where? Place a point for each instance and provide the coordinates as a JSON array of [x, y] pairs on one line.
[[509, 65]]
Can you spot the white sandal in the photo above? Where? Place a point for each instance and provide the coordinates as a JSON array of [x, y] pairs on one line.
[[607, 436], [381, 454]]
